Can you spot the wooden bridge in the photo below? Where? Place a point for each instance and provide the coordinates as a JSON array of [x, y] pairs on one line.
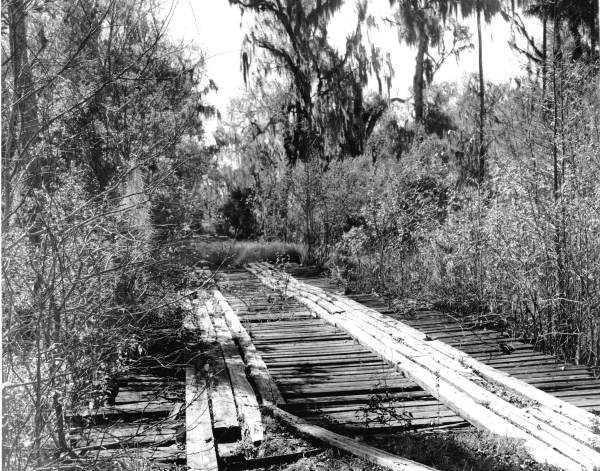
[[318, 352]]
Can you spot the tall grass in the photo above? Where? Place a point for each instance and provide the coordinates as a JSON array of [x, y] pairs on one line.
[[231, 253]]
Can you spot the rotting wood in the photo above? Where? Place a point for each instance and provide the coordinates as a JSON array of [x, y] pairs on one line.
[[197, 319], [543, 440], [226, 425], [228, 451], [245, 399], [200, 443], [257, 368]]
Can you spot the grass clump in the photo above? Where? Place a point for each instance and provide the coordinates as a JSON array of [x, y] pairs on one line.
[[227, 252], [464, 450]]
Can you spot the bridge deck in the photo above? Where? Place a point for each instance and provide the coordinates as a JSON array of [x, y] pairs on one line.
[[329, 379]]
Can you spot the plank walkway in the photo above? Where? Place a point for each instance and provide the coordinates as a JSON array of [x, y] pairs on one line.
[[331, 380], [323, 374]]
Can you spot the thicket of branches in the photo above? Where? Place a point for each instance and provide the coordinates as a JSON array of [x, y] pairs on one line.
[[101, 128]]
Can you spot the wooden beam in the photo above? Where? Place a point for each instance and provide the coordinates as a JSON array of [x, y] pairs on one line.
[[197, 319], [245, 399], [200, 443], [226, 426], [258, 371]]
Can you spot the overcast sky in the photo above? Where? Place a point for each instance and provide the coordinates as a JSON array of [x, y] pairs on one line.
[[214, 27]]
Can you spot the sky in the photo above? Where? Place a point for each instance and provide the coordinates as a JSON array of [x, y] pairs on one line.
[[214, 27]]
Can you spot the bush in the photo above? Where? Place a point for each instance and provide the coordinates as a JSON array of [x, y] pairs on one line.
[[403, 203]]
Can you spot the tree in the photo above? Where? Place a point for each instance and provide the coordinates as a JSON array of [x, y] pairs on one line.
[[238, 213], [578, 16], [293, 35], [489, 8], [326, 114], [424, 23]]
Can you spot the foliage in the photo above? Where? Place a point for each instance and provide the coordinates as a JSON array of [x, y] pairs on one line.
[[514, 248], [97, 126], [425, 24], [324, 113], [239, 220], [403, 203]]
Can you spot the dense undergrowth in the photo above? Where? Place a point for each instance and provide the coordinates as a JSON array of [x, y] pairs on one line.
[[521, 246]]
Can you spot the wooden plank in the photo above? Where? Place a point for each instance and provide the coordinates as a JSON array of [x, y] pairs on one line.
[[228, 451], [245, 399], [356, 398], [197, 318], [225, 422], [259, 373], [199, 444]]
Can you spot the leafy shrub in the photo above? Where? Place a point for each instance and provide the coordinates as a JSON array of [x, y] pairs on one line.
[[403, 203]]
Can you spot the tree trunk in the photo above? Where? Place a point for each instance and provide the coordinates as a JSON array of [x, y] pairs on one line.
[[481, 152], [561, 321], [595, 30], [25, 102], [23, 123], [544, 55], [577, 43], [419, 79]]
